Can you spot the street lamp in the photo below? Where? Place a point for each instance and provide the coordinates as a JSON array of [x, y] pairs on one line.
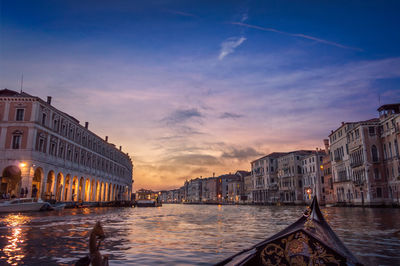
[[309, 191]]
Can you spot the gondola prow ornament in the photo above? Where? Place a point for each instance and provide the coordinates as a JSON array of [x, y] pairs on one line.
[[94, 258]]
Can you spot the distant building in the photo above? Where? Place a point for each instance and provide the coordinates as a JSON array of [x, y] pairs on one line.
[[313, 176], [247, 188], [328, 196], [340, 161], [389, 120], [223, 185], [265, 178], [209, 189], [194, 190], [290, 178], [48, 153]]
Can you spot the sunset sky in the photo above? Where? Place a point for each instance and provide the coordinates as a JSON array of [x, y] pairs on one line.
[[189, 88]]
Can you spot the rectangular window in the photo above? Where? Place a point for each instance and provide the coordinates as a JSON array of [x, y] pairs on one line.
[[44, 119], [379, 192], [20, 115], [41, 145], [371, 131], [16, 142]]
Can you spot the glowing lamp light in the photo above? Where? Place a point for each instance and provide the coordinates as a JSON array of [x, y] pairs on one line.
[[322, 167], [22, 165]]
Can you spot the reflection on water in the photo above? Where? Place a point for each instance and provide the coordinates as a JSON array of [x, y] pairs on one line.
[[13, 251], [184, 234]]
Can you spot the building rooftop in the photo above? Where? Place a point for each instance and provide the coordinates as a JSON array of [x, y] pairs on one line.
[[393, 107]]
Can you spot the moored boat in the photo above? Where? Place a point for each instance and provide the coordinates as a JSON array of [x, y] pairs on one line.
[[308, 241], [22, 205], [147, 203]]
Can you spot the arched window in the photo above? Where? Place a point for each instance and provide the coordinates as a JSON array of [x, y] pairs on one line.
[[374, 151], [396, 147]]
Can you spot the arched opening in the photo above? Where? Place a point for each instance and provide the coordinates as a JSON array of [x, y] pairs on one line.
[[37, 182], [74, 188], [105, 191], [92, 191], [66, 190], [80, 189], [11, 181], [97, 191], [102, 192], [109, 192], [49, 186], [87, 190], [59, 186]]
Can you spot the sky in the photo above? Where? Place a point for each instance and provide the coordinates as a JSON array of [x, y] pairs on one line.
[[192, 88]]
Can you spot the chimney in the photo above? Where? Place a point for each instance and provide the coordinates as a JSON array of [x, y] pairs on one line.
[[86, 125], [213, 174], [326, 143], [49, 99], [120, 148], [106, 138]]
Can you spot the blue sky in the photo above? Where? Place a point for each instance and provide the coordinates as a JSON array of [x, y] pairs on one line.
[[195, 87]]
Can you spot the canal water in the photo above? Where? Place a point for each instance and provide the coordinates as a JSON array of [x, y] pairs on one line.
[[177, 234]]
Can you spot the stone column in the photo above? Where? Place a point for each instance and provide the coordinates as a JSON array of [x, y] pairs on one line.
[[27, 173]]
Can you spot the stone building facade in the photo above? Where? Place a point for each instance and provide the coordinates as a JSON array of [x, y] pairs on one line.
[[389, 120], [290, 179], [47, 153], [313, 175]]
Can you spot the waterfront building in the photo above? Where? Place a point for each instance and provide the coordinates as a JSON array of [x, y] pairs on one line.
[[181, 194], [194, 190], [327, 186], [163, 196], [389, 119], [236, 187], [222, 185], [313, 179], [265, 178], [290, 182], [209, 189], [248, 188], [48, 154], [370, 184], [340, 160]]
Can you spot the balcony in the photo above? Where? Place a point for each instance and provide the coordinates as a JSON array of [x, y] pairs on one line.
[[359, 182], [338, 159], [341, 179], [273, 187], [356, 164]]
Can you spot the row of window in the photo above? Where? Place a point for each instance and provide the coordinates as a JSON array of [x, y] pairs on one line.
[[70, 152], [74, 132], [389, 154]]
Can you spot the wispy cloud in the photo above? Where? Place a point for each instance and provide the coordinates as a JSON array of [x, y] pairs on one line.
[[241, 154], [244, 17], [177, 12], [229, 46], [299, 35], [182, 115], [227, 115]]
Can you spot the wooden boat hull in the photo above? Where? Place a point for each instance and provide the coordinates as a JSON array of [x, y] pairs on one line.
[[21, 205], [308, 241]]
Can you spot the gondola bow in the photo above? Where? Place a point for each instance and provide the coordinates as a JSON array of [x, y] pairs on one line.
[[308, 241]]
